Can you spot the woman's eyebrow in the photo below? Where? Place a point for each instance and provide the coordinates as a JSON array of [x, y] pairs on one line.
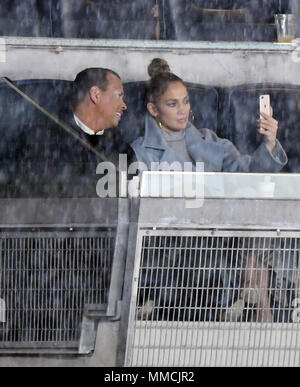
[[176, 99]]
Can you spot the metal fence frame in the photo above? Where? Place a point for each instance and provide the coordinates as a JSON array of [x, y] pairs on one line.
[[52, 262], [51, 217], [151, 220], [134, 218]]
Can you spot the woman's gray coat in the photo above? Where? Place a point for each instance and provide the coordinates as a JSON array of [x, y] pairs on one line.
[[205, 146]]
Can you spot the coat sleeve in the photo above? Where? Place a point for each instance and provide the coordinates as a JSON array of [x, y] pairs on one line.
[[262, 160]]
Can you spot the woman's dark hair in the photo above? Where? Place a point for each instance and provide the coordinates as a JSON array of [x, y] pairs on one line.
[[161, 78]]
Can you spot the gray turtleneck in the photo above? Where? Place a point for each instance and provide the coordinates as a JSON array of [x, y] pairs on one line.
[[176, 141]]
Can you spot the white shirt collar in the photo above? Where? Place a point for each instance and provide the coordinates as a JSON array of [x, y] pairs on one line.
[[85, 128]]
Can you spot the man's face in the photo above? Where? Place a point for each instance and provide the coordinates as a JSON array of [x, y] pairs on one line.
[[112, 105]]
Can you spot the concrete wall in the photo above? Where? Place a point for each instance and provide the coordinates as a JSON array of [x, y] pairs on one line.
[[219, 64]]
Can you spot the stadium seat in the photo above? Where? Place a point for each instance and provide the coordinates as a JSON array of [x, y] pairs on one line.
[[37, 157], [103, 19], [224, 20], [29, 18], [241, 110]]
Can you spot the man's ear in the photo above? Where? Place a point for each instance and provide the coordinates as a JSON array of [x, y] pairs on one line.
[[95, 94], [152, 109]]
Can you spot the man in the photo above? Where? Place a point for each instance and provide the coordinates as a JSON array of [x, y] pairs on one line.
[[97, 100]]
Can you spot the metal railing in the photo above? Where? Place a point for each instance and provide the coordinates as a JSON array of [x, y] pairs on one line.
[[214, 296], [216, 300], [194, 294], [58, 274], [47, 279]]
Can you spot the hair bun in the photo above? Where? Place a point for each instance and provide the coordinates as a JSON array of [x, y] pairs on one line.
[[158, 66]]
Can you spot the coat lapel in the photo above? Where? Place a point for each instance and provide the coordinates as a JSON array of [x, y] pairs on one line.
[[154, 140], [200, 148]]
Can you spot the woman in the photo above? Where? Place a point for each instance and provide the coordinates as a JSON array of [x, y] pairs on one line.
[[170, 137]]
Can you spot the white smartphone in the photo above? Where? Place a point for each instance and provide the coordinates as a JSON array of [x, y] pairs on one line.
[[264, 104]]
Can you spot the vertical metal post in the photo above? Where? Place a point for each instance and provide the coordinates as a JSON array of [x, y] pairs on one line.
[[119, 259], [156, 16], [128, 279]]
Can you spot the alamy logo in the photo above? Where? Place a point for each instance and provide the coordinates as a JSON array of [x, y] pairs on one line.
[[182, 183], [2, 311]]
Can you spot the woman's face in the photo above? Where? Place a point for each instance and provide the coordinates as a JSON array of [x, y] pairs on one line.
[[173, 108]]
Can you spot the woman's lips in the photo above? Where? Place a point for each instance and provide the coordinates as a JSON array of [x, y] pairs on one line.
[[182, 120]]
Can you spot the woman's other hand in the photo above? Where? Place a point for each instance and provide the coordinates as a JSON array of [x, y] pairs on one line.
[[268, 127]]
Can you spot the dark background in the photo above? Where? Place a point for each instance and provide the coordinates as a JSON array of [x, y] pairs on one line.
[[240, 20]]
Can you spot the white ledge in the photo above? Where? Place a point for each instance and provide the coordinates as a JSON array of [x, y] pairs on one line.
[[164, 45]]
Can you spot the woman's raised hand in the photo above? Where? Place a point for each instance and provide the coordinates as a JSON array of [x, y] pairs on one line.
[[268, 127]]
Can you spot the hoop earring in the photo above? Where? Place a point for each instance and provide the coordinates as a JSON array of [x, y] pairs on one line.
[[191, 116], [159, 124]]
